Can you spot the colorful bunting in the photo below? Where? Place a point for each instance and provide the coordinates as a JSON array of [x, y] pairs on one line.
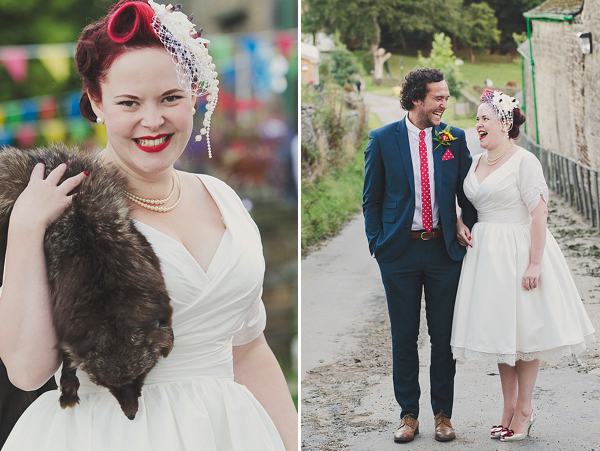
[[54, 130], [26, 135], [55, 58], [251, 68], [47, 108], [14, 59]]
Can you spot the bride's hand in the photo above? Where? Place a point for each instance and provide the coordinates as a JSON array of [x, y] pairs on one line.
[[44, 199], [531, 277], [463, 234]]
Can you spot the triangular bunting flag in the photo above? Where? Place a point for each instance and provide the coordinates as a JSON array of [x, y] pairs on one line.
[[14, 59], [55, 58]]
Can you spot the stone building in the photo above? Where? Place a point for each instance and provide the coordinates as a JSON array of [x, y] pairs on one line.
[[561, 82], [310, 59]]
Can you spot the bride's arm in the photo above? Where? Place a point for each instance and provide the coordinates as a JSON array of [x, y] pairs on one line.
[[27, 337], [255, 366], [538, 242]]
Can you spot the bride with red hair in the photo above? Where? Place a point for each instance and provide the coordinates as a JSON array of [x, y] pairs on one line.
[[143, 68]]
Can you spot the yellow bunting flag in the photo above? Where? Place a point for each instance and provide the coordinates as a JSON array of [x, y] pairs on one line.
[[56, 59], [53, 130]]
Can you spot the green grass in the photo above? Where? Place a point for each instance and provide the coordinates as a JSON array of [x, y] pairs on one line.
[[499, 69], [329, 203], [374, 121], [499, 73]]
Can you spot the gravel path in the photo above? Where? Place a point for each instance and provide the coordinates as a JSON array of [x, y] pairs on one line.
[[347, 397]]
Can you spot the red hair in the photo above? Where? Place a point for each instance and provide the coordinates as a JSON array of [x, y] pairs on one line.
[[128, 25]]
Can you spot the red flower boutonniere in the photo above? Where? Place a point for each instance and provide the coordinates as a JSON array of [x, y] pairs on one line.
[[443, 138]]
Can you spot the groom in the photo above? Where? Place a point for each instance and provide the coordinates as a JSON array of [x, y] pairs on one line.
[[413, 176]]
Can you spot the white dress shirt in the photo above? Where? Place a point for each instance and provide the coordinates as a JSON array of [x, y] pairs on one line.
[[413, 141]]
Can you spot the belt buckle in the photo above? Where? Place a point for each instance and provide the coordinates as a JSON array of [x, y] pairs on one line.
[[423, 236]]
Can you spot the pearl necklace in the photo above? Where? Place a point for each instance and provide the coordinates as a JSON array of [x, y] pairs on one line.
[[152, 204], [494, 161], [155, 201]]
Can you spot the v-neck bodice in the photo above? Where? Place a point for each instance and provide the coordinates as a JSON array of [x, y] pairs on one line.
[[214, 309], [184, 256], [497, 197]]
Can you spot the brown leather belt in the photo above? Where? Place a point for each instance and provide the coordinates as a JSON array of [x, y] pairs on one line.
[[424, 235]]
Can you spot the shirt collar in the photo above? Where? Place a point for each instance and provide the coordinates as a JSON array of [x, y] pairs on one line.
[[414, 130]]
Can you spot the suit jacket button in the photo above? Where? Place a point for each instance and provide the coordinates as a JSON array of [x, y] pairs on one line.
[[412, 203], [408, 227]]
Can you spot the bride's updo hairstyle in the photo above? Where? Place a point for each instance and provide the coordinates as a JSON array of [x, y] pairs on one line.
[[127, 26], [506, 109]]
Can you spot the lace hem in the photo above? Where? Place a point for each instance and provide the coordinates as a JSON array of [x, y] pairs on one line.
[[510, 359]]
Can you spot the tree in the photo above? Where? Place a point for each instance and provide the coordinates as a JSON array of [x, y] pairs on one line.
[[362, 20], [480, 28], [510, 16], [442, 58], [342, 65]]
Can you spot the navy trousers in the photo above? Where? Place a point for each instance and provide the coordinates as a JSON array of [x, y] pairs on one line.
[[423, 265]]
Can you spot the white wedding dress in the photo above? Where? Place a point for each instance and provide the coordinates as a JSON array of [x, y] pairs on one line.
[[494, 317], [190, 401]]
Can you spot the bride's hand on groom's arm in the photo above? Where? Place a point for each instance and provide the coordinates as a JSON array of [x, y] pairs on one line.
[[463, 234]]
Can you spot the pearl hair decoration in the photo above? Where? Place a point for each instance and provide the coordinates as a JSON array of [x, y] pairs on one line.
[[195, 69], [99, 120], [502, 105]]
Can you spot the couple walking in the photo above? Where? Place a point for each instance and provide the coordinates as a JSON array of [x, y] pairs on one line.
[[497, 287]]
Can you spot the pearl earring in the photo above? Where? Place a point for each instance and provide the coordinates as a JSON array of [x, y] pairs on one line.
[[99, 120], [193, 111]]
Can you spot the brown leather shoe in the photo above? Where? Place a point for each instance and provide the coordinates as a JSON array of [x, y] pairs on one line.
[[409, 427], [444, 432]]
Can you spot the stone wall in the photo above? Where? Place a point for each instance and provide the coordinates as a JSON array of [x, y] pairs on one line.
[[567, 87]]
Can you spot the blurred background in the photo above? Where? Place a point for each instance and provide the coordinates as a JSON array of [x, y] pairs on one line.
[[253, 133]]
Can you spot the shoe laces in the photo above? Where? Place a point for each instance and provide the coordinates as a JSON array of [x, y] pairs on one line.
[[441, 418], [405, 420]]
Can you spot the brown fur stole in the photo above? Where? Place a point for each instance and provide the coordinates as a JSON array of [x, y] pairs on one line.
[[110, 306]]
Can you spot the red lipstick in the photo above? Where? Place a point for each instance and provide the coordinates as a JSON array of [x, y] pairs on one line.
[[153, 148]]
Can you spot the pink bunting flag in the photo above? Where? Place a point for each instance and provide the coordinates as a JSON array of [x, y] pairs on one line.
[[14, 59], [284, 42]]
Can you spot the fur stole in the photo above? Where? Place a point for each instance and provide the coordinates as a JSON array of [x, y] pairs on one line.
[[110, 306]]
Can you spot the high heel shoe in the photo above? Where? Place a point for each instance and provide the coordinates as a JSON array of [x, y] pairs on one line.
[[496, 431], [508, 435]]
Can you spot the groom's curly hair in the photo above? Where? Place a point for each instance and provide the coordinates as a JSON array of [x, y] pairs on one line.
[[415, 86]]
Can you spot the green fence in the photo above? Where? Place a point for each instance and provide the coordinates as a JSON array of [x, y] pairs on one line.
[[575, 182]]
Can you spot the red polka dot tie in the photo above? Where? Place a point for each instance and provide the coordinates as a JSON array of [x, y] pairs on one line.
[[427, 216]]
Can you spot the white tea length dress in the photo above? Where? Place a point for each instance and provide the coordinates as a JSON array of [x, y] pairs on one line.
[[495, 319], [190, 401]]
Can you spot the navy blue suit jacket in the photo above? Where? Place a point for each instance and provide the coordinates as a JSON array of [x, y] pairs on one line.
[[389, 190]]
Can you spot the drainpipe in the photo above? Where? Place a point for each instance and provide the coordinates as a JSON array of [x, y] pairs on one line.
[[542, 17], [524, 96]]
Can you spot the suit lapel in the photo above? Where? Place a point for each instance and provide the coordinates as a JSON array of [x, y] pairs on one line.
[[404, 147]]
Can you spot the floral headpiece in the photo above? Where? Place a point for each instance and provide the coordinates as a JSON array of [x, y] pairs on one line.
[[502, 105], [195, 69]]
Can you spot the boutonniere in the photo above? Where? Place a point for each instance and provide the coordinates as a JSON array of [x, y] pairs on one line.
[[443, 138]]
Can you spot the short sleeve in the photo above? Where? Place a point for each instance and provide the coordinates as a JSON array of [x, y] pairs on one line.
[[532, 183], [254, 323]]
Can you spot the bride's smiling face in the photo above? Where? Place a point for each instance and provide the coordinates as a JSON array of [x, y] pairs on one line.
[[489, 127], [147, 114]]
